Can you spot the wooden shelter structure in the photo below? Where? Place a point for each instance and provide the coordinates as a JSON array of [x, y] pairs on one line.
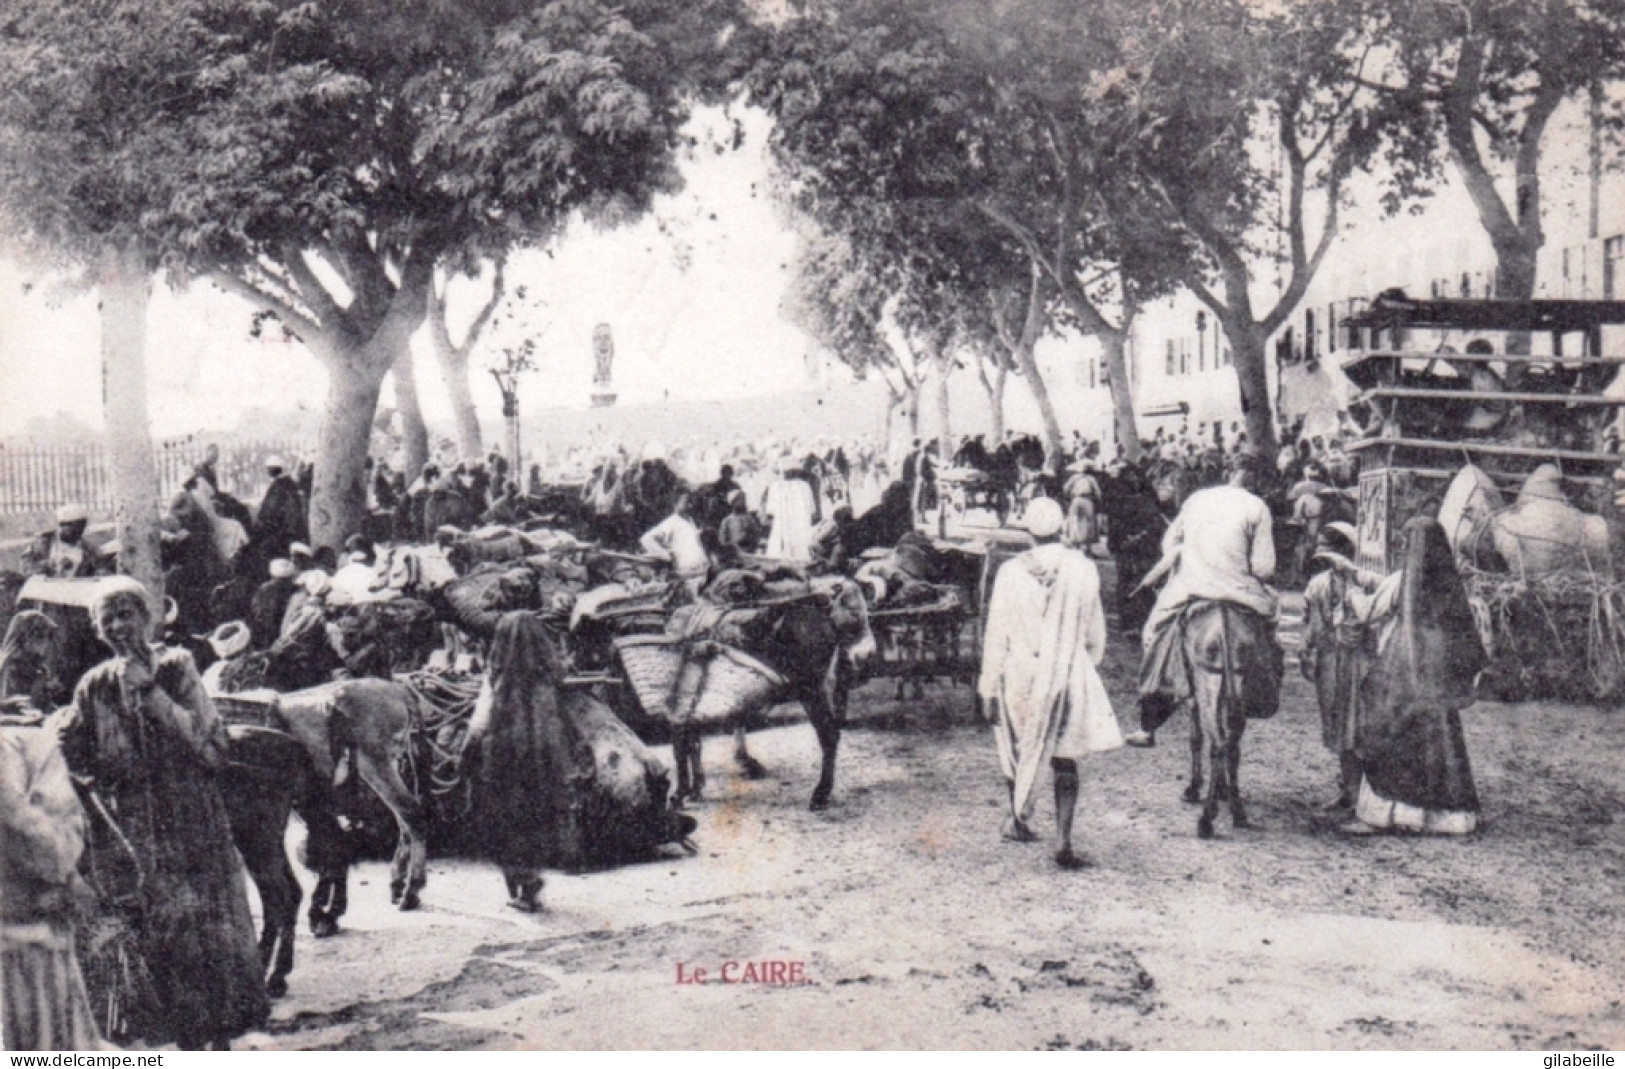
[[1507, 386]]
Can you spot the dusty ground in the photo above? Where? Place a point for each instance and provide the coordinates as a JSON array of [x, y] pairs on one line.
[[918, 927]]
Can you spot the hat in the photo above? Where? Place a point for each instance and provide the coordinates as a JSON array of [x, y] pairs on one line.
[[274, 461], [116, 586], [112, 548], [1345, 529], [299, 549], [74, 513], [1043, 518], [229, 639], [282, 568]]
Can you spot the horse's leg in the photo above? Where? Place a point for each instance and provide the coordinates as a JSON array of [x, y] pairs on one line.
[[826, 708], [327, 854], [679, 757], [407, 873], [751, 767], [1232, 758], [1193, 790], [258, 835], [1208, 686]]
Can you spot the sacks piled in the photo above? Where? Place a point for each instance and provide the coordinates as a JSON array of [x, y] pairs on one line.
[[1468, 510], [1543, 535]]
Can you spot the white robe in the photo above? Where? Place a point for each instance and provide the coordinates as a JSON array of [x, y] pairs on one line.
[[1046, 632], [790, 503]]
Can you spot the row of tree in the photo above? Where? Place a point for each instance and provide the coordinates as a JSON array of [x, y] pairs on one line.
[[976, 175], [969, 175]]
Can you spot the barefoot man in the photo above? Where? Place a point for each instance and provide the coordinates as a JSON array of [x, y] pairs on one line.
[[1046, 632]]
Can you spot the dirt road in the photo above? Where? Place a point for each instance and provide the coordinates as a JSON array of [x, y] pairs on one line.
[[913, 925]]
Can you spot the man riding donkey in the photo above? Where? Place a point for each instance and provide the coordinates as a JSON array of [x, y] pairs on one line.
[[1218, 549]]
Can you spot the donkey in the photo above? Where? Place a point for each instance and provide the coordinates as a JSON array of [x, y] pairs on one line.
[[1233, 670]]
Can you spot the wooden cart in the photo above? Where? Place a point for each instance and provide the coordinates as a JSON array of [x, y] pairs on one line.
[[942, 640], [1432, 409]]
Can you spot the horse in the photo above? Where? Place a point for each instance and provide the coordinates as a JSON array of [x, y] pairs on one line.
[[811, 643], [1230, 659]]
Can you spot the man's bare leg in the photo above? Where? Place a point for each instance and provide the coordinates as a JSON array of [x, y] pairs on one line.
[[1066, 806]]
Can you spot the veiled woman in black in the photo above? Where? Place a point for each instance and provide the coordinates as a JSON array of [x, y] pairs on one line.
[[1407, 732], [527, 768], [178, 961]]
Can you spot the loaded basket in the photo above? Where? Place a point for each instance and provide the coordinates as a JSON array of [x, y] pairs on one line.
[[684, 682]]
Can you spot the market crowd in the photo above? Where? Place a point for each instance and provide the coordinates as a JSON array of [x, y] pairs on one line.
[[1197, 519]]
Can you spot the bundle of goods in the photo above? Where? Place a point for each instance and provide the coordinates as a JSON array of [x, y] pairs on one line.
[[479, 599], [1539, 580], [382, 638]]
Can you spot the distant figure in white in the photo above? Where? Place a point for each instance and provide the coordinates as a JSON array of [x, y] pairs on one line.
[[1046, 633], [791, 508]]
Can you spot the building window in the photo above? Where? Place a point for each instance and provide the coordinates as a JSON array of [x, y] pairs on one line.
[[1613, 262], [1173, 357], [1310, 349]]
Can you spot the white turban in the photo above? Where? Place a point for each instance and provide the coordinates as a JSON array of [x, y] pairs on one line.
[[1043, 518]]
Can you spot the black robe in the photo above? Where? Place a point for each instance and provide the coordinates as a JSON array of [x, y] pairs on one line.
[[528, 766], [1408, 736]]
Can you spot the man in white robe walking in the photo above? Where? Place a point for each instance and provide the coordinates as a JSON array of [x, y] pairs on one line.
[[792, 509], [1046, 632]]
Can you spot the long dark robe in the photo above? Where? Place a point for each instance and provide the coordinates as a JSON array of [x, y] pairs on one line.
[[182, 896], [528, 764], [281, 520], [1408, 735]]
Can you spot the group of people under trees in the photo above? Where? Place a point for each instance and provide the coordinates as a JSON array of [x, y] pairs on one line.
[[1392, 659]]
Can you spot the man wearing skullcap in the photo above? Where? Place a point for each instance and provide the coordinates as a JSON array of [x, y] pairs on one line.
[[1046, 633], [270, 603], [64, 553]]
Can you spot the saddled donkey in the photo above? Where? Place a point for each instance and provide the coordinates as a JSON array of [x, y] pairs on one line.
[[267, 777], [360, 728], [811, 642], [1234, 672]]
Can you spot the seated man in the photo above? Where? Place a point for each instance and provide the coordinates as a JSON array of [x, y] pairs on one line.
[[829, 543], [1219, 548], [677, 539], [64, 553]]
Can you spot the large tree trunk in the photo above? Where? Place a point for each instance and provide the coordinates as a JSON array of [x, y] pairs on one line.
[[123, 281], [338, 504], [1113, 344], [1027, 364], [1249, 344], [911, 407], [945, 431], [995, 399], [453, 362], [414, 433]]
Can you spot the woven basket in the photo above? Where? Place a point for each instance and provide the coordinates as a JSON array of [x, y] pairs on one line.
[[652, 664], [735, 684]]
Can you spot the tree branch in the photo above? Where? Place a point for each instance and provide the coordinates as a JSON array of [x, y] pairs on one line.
[[300, 324]]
